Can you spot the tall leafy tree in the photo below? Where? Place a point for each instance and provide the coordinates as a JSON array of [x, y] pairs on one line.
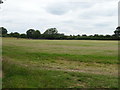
[[34, 34], [30, 33], [51, 31], [117, 31], [3, 31], [23, 36], [37, 34], [15, 34]]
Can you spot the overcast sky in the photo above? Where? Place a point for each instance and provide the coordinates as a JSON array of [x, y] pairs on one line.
[[68, 16]]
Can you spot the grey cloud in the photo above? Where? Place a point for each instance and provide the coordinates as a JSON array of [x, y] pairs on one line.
[[80, 5], [58, 8], [98, 13], [57, 11], [64, 7], [92, 14], [106, 9], [99, 25]]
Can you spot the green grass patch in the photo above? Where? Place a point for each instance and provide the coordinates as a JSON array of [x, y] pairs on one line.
[[56, 63], [19, 53], [24, 77]]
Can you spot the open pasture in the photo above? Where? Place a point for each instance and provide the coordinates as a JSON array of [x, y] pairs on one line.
[[59, 63]]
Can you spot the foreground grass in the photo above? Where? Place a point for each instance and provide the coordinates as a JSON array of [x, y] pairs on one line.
[[24, 77], [47, 63]]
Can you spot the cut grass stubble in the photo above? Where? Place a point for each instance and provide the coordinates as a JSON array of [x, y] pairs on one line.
[[42, 63]]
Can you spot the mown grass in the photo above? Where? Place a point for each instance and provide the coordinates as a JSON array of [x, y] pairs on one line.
[[17, 76], [59, 63], [20, 53]]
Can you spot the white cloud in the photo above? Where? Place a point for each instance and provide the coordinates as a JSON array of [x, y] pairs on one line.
[[68, 16]]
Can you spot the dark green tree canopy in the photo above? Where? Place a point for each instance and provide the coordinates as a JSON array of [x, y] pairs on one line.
[[23, 36], [36, 34], [51, 31], [31, 33], [15, 34], [3, 30], [117, 31]]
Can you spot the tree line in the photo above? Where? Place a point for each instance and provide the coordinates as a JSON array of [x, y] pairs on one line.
[[52, 33]]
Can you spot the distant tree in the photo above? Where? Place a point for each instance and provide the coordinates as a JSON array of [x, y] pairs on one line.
[[96, 35], [51, 31], [30, 33], [117, 31], [15, 34], [34, 34], [108, 36], [23, 36], [3, 31], [84, 35], [60, 36], [90, 35], [101, 35]]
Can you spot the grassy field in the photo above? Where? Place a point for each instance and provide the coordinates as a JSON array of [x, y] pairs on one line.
[[59, 63]]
